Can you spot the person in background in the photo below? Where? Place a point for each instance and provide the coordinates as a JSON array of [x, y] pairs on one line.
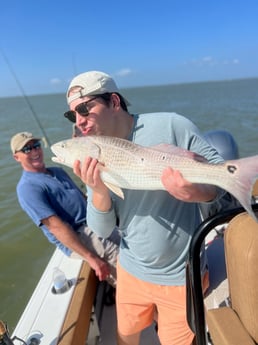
[[156, 226], [58, 207]]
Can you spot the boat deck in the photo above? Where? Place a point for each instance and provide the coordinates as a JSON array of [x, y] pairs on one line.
[[75, 306], [108, 330]]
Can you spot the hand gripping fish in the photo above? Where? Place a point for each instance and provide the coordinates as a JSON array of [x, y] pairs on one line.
[[131, 166]]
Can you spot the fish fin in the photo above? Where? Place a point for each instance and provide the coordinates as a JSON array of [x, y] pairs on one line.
[[118, 191], [114, 188], [56, 159], [179, 151]]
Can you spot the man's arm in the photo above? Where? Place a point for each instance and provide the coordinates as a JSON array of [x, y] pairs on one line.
[[101, 216], [63, 232]]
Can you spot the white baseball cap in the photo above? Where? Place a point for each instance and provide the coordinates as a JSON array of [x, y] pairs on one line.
[[92, 83]]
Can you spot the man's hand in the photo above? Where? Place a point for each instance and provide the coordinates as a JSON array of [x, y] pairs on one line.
[[100, 267], [184, 190], [89, 173]]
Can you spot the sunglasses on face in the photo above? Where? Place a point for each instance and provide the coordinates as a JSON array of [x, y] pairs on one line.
[[28, 148], [81, 109]]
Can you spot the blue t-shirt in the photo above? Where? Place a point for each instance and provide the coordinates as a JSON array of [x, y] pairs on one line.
[[156, 228], [43, 195]]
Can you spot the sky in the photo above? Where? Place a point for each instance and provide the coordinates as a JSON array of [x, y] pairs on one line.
[[45, 43]]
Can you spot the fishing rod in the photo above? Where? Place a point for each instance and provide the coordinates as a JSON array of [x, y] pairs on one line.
[[5, 338], [46, 139]]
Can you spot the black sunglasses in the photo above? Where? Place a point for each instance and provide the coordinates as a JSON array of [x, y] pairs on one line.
[[28, 148], [81, 109]]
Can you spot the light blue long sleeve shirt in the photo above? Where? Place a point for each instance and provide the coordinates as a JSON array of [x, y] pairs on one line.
[[156, 228]]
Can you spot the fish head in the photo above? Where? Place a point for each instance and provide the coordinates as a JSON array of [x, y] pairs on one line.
[[66, 152], [78, 148]]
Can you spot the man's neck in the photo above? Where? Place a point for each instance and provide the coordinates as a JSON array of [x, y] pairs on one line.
[[42, 170], [125, 126]]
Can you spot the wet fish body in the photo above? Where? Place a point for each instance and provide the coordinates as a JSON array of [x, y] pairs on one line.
[[131, 166]]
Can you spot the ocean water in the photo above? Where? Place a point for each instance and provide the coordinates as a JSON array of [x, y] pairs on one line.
[[24, 251]]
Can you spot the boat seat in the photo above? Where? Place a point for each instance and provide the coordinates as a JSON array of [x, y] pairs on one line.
[[237, 323], [255, 191]]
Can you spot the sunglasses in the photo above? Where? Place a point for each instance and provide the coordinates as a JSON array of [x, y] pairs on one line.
[[81, 109], [28, 148]]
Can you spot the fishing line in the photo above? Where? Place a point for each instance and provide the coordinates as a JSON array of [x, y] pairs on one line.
[[45, 137]]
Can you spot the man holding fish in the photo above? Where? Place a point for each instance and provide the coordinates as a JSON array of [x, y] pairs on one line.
[[58, 207], [156, 225]]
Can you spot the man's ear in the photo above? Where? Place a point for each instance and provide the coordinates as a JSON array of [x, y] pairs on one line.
[[115, 100], [16, 157]]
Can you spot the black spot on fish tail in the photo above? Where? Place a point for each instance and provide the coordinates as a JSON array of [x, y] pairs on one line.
[[232, 169]]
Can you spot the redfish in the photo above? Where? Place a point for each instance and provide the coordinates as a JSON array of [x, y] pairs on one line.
[[131, 166]]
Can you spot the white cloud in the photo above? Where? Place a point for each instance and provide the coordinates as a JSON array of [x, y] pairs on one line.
[[55, 81], [123, 72], [207, 59], [210, 61]]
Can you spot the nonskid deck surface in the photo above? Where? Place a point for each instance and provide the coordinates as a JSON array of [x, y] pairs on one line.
[[217, 294], [108, 330]]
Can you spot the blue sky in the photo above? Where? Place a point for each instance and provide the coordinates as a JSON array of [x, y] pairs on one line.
[[138, 42]]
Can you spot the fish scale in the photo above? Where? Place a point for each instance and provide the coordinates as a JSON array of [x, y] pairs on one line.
[[131, 166]]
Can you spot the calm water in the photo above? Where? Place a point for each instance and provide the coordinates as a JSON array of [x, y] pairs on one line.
[[24, 252]]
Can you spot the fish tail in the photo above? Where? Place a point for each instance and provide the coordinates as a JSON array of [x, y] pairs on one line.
[[245, 173]]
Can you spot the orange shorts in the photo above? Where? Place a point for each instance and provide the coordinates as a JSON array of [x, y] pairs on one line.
[[139, 303]]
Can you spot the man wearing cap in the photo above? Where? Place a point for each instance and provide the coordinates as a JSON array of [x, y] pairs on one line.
[[156, 226], [56, 205]]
